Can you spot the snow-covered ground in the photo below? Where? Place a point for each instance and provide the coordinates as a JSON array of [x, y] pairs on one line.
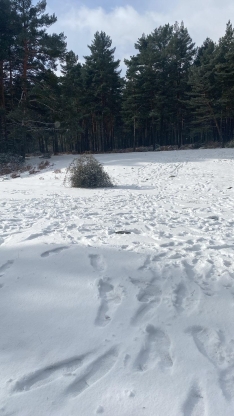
[[139, 324]]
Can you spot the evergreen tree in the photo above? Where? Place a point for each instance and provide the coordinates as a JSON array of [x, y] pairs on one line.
[[8, 31], [34, 52], [224, 80], [73, 103], [161, 83], [103, 89], [205, 96]]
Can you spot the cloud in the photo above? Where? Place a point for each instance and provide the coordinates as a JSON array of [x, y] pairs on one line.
[[125, 24]]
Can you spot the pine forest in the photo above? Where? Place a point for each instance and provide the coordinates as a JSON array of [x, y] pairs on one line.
[[174, 93]]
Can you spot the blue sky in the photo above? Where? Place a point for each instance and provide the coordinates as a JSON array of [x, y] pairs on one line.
[[125, 21]]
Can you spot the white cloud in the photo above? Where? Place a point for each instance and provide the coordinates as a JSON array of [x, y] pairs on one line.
[[125, 24]]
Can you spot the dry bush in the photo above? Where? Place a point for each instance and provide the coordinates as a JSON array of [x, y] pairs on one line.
[[43, 165], [12, 165], [87, 172], [33, 171], [15, 175]]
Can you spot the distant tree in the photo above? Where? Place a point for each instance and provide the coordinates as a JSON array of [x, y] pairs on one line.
[[103, 92], [33, 53], [8, 31], [204, 97], [73, 103], [224, 80], [159, 74]]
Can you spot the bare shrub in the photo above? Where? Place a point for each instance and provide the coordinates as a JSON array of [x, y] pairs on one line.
[[10, 163], [15, 175], [87, 172], [33, 171], [43, 165]]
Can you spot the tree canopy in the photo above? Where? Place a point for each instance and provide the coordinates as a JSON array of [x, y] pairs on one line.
[[174, 93]]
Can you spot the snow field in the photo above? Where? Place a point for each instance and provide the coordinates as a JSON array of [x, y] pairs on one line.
[[139, 323]]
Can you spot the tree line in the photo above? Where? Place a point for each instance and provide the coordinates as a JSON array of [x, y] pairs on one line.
[[174, 93]]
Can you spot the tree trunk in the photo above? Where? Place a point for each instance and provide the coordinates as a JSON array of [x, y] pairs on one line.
[[2, 109], [134, 134], [216, 124]]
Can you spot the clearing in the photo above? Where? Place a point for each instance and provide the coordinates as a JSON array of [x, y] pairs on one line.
[[119, 301]]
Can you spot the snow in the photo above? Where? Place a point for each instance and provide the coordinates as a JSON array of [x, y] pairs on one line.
[[137, 323]]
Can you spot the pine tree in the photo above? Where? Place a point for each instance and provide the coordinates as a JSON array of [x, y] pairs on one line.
[[73, 102], [224, 80], [161, 83], [35, 52], [205, 96], [8, 32], [103, 88]]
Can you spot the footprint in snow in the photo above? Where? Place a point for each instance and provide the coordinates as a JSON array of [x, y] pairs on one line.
[[97, 262], [180, 294], [49, 373], [226, 381], [183, 299], [156, 349], [149, 297], [54, 251], [94, 372], [110, 299], [146, 263], [194, 404], [6, 266], [212, 345]]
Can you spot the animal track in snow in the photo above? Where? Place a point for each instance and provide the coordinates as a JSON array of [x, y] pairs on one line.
[[6, 265], [194, 404], [54, 251], [47, 374], [97, 262], [95, 371], [110, 299], [156, 349]]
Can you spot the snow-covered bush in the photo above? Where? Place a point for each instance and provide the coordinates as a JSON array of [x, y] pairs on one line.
[[87, 172]]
